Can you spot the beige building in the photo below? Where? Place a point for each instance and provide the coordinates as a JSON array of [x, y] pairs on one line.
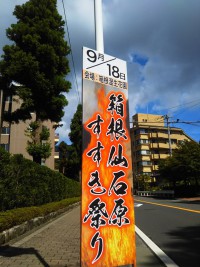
[[12, 136], [152, 141]]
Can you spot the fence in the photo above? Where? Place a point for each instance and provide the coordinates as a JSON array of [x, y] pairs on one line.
[[160, 193]]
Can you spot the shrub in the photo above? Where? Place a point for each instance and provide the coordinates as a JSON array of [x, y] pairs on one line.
[[15, 217], [24, 183]]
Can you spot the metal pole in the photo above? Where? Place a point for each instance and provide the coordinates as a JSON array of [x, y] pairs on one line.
[[98, 26], [99, 36]]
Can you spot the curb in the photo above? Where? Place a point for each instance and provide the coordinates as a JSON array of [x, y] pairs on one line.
[[21, 229]]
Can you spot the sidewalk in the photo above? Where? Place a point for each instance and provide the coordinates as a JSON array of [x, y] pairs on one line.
[[57, 244]]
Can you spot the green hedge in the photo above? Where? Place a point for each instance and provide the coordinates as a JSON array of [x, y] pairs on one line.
[[24, 183], [15, 217]]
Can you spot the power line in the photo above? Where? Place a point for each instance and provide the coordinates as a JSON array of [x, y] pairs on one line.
[[71, 52], [183, 105], [177, 121], [190, 107]]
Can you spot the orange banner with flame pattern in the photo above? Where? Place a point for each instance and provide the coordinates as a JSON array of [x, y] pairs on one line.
[[107, 216]]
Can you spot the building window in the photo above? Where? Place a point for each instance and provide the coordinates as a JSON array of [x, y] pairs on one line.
[[143, 131], [8, 98], [144, 163], [140, 131], [144, 152], [5, 130], [155, 152], [5, 146], [173, 141], [142, 141]]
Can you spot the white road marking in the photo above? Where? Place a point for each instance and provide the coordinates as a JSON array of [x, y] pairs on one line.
[[137, 205], [161, 254]]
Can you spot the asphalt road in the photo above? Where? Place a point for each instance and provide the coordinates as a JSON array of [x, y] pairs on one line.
[[175, 229]]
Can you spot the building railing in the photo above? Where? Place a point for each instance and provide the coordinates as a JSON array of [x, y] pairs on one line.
[[159, 193], [154, 167], [153, 135], [155, 156], [154, 145]]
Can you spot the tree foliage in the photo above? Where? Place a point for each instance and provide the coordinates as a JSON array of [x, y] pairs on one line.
[[37, 60], [63, 153], [143, 182], [39, 147], [76, 130], [71, 155], [183, 166]]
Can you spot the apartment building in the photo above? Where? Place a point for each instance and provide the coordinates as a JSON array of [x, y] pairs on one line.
[[12, 136], [152, 141]]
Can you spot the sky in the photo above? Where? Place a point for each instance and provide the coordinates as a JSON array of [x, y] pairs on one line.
[[159, 40]]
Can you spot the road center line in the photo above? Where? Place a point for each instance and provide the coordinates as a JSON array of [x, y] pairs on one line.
[[168, 206], [168, 262]]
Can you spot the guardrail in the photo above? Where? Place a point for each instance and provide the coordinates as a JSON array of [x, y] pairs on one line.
[[160, 193]]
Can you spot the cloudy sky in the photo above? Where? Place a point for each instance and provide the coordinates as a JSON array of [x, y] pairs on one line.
[[159, 39]]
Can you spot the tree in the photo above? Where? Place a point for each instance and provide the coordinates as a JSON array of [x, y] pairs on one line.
[[184, 165], [63, 153], [76, 131], [71, 155], [41, 149], [168, 171], [143, 182], [36, 60]]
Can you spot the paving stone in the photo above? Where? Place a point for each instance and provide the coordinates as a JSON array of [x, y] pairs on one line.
[[54, 245]]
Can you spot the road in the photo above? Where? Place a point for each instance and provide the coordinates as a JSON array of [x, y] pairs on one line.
[[173, 225]]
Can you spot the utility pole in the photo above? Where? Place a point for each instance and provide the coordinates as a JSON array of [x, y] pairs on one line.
[[169, 138], [98, 26]]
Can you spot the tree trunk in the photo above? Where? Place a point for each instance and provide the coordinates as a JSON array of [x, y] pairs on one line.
[[37, 159], [38, 132]]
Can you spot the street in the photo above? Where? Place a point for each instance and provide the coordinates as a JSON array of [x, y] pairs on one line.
[[173, 225]]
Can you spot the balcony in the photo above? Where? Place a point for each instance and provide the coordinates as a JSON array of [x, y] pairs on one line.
[[164, 156], [163, 135], [142, 147], [56, 155], [174, 146], [142, 169], [153, 135], [155, 156], [164, 145], [144, 157], [155, 167], [147, 169], [56, 138], [176, 135], [154, 145]]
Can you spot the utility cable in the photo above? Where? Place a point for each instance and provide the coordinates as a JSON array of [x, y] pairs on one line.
[[71, 52], [181, 112], [183, 105]]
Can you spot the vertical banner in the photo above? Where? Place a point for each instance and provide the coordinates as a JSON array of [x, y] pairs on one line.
[[107, 233]]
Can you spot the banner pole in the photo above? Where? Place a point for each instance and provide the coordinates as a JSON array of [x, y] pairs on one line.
[[98, 26]]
